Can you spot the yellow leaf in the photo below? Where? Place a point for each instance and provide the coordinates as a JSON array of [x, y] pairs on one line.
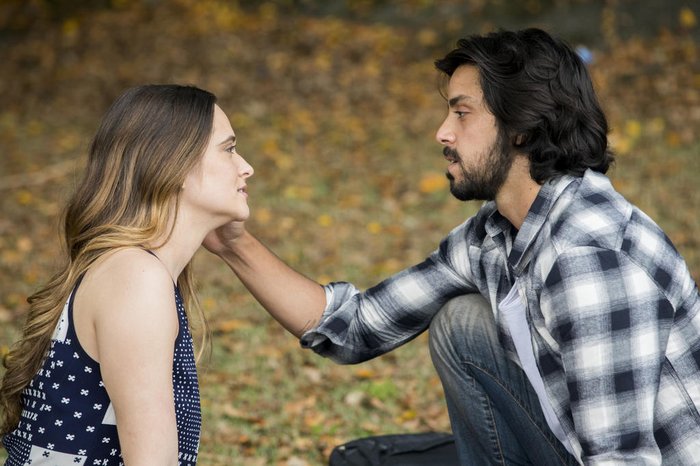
[[31, 277], [263, 215], [270, 147], [427, 37], [303, 444], [283, 161], [305, 192], [620, 144], [35, 128], [322, 62], [287, 223], [687, 18], [351, 200], [395, 230], [432, 182], [14, 299], [673, 139], [120, 3], [365, 373], [656, 126], [233, 412], [374, 227], [68, 141], [24, 244], [314, 418], [372, 69], [231, 325], [208, 303], [70, 27], [268, 12], [10, 257], [324, 220], [371, 427], [408, 415], [24, 197], [633, 129], [388, 267], [298, 192], [291, 192]]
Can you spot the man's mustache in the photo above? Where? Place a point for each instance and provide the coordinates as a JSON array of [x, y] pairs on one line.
[[451, 154]]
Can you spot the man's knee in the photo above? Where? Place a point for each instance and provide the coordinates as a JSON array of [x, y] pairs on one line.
[[462, 322]]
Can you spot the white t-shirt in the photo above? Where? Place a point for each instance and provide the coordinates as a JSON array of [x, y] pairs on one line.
[[515, 320]]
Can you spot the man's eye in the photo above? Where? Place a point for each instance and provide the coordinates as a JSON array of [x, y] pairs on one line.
[[460, 114]]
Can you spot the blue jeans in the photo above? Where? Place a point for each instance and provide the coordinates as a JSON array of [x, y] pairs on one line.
[[495, 414]]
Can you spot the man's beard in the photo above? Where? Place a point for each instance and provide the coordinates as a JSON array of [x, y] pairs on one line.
[[482, 182]]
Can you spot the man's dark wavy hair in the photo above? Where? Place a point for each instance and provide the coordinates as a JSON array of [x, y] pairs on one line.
[[542, 96]]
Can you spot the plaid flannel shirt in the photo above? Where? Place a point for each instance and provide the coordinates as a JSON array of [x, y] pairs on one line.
[[613, 311]]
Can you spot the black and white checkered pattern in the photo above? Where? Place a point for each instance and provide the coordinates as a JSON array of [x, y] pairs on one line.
[[613, 310]]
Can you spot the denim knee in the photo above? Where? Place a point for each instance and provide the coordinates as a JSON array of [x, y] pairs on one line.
[[465, 322]]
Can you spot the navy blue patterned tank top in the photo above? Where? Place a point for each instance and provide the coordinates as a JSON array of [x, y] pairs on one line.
[[67, 417]]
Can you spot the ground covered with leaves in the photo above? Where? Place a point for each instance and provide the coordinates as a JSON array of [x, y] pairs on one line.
[[336, 110]]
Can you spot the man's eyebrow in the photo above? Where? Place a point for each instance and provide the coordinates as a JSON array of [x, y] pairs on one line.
[[229, 140], [458, 99]]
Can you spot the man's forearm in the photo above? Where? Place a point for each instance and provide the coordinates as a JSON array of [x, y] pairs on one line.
[[293, 300]]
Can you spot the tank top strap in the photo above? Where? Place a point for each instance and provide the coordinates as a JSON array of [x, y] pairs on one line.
[[64, 327], [177, 288]]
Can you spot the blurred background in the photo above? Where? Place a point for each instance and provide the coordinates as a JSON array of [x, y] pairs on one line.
[[335, 104]]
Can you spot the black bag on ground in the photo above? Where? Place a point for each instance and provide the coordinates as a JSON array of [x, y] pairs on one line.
[[430, 448]]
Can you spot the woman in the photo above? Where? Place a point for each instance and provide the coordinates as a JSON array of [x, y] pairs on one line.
[[105, 370]]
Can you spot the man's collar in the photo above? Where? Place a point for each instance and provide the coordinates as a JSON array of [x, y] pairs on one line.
[[519, 256]]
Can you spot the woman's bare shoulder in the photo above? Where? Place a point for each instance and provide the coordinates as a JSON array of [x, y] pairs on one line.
[[127, 281]]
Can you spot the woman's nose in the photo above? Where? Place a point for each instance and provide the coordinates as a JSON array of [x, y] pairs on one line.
[[245, 169]]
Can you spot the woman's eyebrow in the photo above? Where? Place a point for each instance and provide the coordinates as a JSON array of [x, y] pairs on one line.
[[229, 140]]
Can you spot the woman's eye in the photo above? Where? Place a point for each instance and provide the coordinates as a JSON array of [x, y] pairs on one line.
[[231, 149], [461, 115]]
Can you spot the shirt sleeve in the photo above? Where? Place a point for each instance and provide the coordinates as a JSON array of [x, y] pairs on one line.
[[613, 322], [357, 326]]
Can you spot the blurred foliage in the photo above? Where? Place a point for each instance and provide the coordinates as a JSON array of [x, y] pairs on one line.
[[335, 104]]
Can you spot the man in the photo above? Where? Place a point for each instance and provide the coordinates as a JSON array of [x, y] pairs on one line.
[[563, 324]]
